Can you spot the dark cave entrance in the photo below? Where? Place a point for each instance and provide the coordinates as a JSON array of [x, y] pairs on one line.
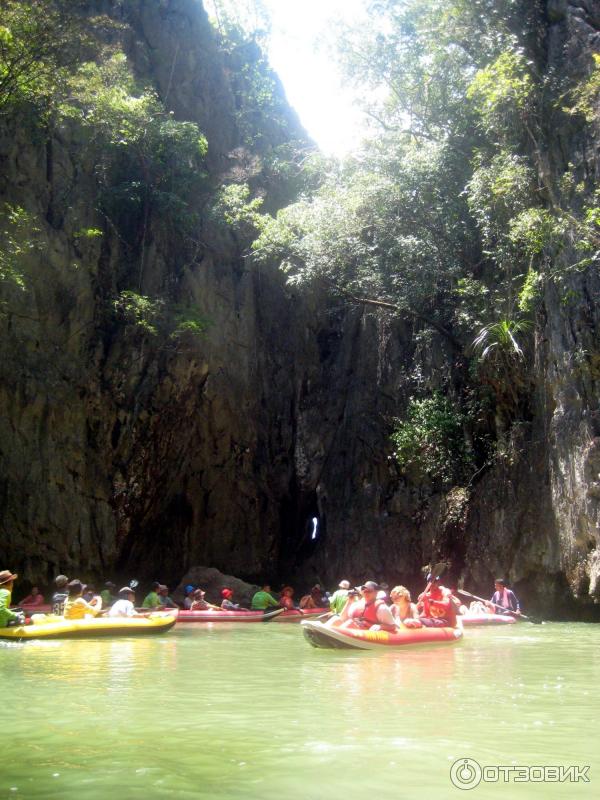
[[303, 531]]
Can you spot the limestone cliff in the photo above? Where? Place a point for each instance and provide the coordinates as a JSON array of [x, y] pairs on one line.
[[534, 515], [118, 451]]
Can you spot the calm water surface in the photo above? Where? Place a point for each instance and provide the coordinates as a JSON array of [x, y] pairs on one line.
[[252, 711]]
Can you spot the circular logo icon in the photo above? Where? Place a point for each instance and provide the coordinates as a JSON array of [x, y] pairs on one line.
[[465, 773]]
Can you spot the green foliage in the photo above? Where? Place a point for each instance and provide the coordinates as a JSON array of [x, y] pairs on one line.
[[499, 343], [502, 92], [499, 189], [88, 233], [39, 44], [589, 227], [244, 27], [242, 18], [431, 442], [106, 99], [534, 230], [149, 165], [530, 291], [157, 319], [188, 323], [18, 237], [585, 96], [379, 227], [234, 205], [138, 311]]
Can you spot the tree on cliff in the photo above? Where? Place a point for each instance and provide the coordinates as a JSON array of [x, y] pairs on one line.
[[448, 212], [40, 44]]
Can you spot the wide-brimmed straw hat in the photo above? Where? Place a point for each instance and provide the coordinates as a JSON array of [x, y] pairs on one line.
[[6, 576]]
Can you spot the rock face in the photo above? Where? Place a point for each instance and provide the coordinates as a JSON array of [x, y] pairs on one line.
[[212, 582], [118, 453], [121, 456]]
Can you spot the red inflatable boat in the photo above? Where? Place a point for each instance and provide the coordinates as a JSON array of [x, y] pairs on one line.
[[212, 615], [472, 620], [320, 635], [299, 615]]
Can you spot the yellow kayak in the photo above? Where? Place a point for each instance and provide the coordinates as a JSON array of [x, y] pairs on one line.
[[51, 627]]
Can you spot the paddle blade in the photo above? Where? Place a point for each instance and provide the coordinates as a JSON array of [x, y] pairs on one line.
[[438, 568]]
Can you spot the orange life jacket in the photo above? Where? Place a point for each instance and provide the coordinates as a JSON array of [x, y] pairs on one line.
[[365, 615]]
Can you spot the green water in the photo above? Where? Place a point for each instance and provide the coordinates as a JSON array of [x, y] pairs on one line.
[[252, 711]]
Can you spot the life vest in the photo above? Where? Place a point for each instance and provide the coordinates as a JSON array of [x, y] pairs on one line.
[[365, 615], [439, 608]]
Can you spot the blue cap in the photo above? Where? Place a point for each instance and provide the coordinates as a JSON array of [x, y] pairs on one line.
[[189, 588]]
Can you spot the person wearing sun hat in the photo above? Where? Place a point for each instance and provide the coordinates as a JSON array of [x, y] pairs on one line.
[[8, 617], [338, 599], [124, 606], [200, 604]]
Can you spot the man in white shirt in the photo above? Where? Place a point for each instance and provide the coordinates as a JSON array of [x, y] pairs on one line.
[[124, 607]]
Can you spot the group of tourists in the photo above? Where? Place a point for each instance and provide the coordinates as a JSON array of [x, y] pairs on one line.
[[73, 599], [368, 605]]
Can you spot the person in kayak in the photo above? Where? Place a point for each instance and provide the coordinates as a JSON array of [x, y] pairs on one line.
[[59, 598], [368, 612], [152, 600], [108, 594], [34, 598], [227, 603], [436, 608], [78, 608], [200, 604], [314, 599], [187, 599], [403, 610], [165, 600], [125, 605], [286, 598], [89, 593], [8, 618], [504, 601], [337, 601], [263, 599]]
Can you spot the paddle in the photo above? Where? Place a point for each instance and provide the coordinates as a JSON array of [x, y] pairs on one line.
[[435, 573], [533, 620]]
